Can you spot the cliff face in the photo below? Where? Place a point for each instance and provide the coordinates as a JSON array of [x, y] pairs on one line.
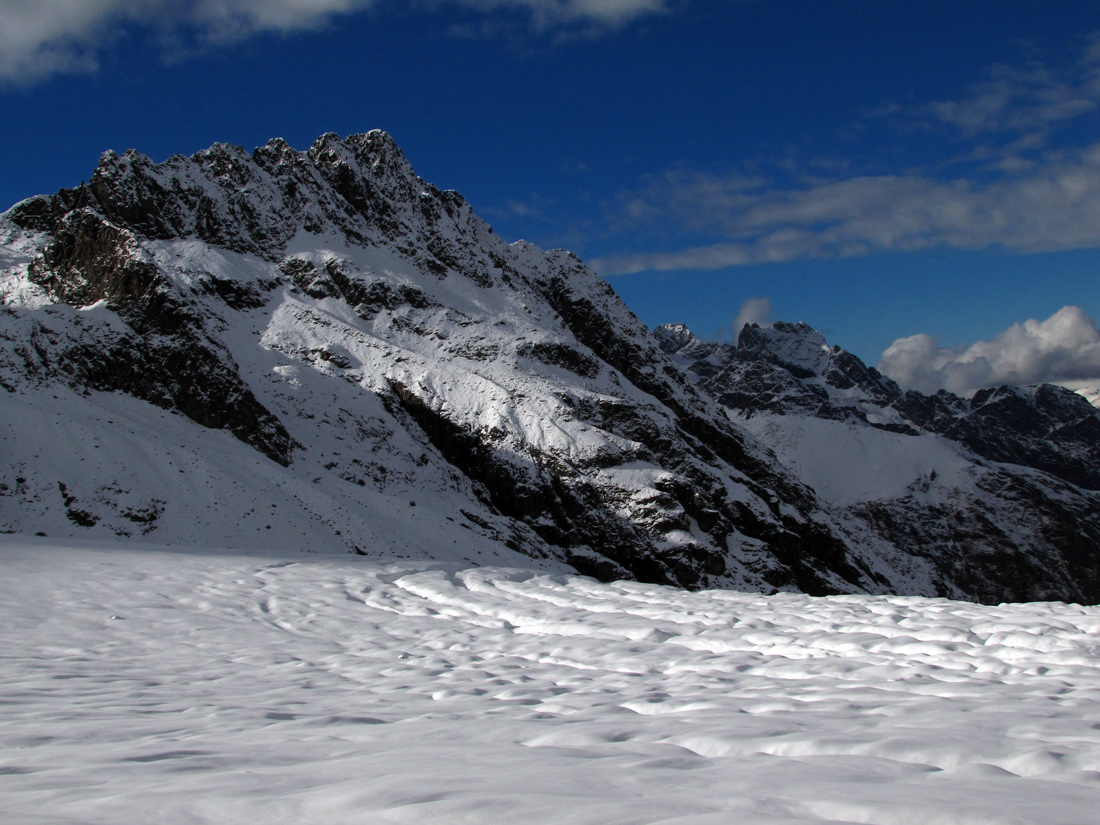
[[998, 492]]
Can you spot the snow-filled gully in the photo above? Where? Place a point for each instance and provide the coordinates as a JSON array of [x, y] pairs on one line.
[[142, 685]]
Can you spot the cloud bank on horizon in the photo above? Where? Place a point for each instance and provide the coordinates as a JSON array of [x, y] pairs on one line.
[[1064, 349], [42, 38]]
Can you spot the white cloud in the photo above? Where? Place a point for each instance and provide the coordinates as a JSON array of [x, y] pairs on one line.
[[1020, 100], [753, 311], [1012, 114], [43, 37], [1008, 189], [232, 19], [1052, 206], [1063, 349], [548, 13], [39, 38]]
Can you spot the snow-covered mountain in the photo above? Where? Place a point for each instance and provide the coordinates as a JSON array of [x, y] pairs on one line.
[[318, 350], [999, 492]]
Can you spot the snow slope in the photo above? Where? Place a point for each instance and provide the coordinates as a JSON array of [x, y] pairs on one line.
[[846, 463], [1091, 394], [185, 685], [106, 466]]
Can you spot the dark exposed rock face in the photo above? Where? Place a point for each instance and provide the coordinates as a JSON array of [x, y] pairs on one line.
[[565, 514], [561, 355], [771, 369], [164, 356], [804, 548], [1016, 537], [1046, 427], [1025, 524]]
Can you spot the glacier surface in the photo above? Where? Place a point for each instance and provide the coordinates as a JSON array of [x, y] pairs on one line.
[[144, 682]]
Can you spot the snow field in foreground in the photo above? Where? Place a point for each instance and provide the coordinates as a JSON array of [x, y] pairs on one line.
[[144, 685]]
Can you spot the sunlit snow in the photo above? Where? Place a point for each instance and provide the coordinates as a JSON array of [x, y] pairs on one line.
[[146, 684]]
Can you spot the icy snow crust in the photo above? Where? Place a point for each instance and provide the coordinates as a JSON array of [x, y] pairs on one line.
[[192, 686]]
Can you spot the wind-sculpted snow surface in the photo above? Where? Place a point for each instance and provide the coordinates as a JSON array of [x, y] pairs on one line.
[[205, 688]]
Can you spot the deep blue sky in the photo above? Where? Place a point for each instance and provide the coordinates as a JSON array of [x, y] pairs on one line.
[[877, 168]]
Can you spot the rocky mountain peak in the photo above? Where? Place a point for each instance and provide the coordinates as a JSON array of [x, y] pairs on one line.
[[796, 347], [702, 358], [1040, 404], [674, 337], [803, 353], [349, 188], [783, 367], [1042, 426], [789, 369]]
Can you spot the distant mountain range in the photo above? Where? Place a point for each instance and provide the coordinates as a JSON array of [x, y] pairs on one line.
[[319, 351], [1001, 487]]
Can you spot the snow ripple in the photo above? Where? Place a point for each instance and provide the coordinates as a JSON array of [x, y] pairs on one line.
[[192, 687]]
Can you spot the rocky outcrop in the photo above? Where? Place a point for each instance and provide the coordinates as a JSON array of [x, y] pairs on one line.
[[788, 369], [1046, 427]]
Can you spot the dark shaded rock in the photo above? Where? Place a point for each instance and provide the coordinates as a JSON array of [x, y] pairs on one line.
[[564, 512], [561, 355], [1023, 540], [1046, 427], [169, 360]]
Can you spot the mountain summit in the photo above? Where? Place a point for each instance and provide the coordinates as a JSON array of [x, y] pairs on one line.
[[318, 350]]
